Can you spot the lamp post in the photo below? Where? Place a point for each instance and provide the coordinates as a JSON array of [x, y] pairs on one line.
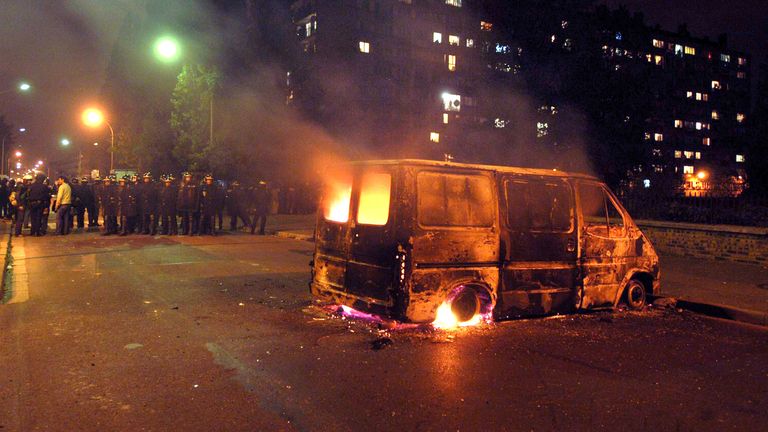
[[94, 117]]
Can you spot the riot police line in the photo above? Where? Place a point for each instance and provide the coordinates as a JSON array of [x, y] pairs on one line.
[[136, 205]]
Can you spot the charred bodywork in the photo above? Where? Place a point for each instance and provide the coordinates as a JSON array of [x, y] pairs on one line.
[[397, 238]]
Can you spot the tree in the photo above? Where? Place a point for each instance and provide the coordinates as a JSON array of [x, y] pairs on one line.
[[758, 139], [192, 104]]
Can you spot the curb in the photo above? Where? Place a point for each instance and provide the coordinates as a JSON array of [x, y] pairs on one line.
[[295, 235], [725, 312], [7, 267]]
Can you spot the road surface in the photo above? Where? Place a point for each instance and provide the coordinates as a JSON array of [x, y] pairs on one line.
[[220, 333]]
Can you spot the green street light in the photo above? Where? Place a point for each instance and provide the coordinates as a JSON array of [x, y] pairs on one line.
[[167, 49]]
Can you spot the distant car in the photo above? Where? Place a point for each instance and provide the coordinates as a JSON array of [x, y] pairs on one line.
[[401, 238]]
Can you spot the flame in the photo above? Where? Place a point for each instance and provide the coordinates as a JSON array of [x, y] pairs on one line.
[[337, 197], [445, 319], [374, 199]]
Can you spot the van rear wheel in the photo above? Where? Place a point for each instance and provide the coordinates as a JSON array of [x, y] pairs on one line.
[[465, 305], [635, 295]]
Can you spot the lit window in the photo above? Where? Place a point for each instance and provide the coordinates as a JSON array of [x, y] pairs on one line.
[[563, 24], [451, 62], [698, 96], [715, 115], [698, 155], [706, 141], [485, 26], [375, 191], [678, 123], [647, 136], [434, 137], [336, 198], [739, 158], [542, 129], [742, 61], [553, 38], [705, 97], [687, 169], [741, 74], [689, 94], [619, 36], [365, 47], [451, 102], [740, 117], [698, 125], [445, 118], [688, 154], [725, 58], [656, 152], [453, 40], [678, 50], [502, 49], [456, 3], [690, 50], [658, 43], [470, 43], [678, 154], [437, 37], [658, 137], [705, 126], [659, 60], [500, 123], [716, 85]]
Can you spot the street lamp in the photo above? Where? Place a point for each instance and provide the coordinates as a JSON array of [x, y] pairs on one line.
[[93, 118], [167, 49], [18, 154], [65, 142]]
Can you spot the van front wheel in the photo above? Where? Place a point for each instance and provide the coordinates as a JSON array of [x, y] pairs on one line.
[[635, 295]]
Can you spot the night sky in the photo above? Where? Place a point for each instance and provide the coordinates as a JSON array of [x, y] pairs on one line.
[[62, 48]]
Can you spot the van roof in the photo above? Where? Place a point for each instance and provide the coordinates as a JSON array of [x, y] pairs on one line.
[[498, 168]]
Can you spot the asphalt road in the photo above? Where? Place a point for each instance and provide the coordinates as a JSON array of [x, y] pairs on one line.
[[220, 333]]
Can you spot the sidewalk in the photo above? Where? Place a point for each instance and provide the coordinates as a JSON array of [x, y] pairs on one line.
[[698, 282]]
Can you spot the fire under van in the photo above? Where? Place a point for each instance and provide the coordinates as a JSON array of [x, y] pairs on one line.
[[401, 238]]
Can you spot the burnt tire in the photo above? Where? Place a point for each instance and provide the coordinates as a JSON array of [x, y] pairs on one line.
[[465, 305], [635, 295]]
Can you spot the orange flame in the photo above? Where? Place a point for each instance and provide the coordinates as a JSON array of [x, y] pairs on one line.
[[445, 318], [336, 200], [374, 199]]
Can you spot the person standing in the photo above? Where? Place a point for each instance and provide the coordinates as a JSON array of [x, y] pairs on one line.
[[88, 200], [236, 205], [148, 205], [63, 205], [260, 200], [188, 205], [38, 199], [18, 200], [108, 199], [77, 212], [167, 206], [208, 206], [4, 198], [126, 199]]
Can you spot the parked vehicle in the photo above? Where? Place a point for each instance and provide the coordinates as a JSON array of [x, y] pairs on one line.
[[401, 238]]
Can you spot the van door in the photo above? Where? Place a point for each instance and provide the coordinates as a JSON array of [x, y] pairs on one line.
[[605, 245], [372, 250], [539, 242], [332, 237]]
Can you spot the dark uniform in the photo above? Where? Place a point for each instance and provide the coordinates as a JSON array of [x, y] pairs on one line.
[[38, 199], [78, 211], [108, 199], [260, 199], [88, 201], [187, 203], [19, 202], [220, 199], [147, 198], [167, 197], [126, 206], [209, 201], [236, 202]]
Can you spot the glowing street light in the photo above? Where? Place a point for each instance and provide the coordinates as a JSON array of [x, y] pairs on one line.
[[93, 118], [22, 130], [24, 86], [167, 49], [702, 175], [18, 153], [65, 142], [39, 162]]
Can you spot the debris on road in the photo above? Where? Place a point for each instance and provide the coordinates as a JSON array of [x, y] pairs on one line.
[[133, 346], [381, 343]]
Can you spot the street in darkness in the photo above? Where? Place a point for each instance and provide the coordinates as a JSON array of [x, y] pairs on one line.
[[221, 333]]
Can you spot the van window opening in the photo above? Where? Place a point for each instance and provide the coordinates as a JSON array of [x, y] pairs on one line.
[[375, 191], [337, 197], [601, 217], [454, 200], [538, 206]]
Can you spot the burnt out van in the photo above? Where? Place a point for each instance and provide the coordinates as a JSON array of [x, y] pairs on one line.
[[402, 238]]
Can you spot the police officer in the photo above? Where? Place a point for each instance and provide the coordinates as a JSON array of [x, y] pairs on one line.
[[19, 202], [147, 198], [38, 199], [126, 206], [78, 211], [236, 202], [208, 198], [260, 207], [108, 200], [220, 199], [88, 199], [167, 206], [187, 203]]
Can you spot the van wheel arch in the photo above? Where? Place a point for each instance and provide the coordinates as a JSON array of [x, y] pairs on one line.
[[471, 298]]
